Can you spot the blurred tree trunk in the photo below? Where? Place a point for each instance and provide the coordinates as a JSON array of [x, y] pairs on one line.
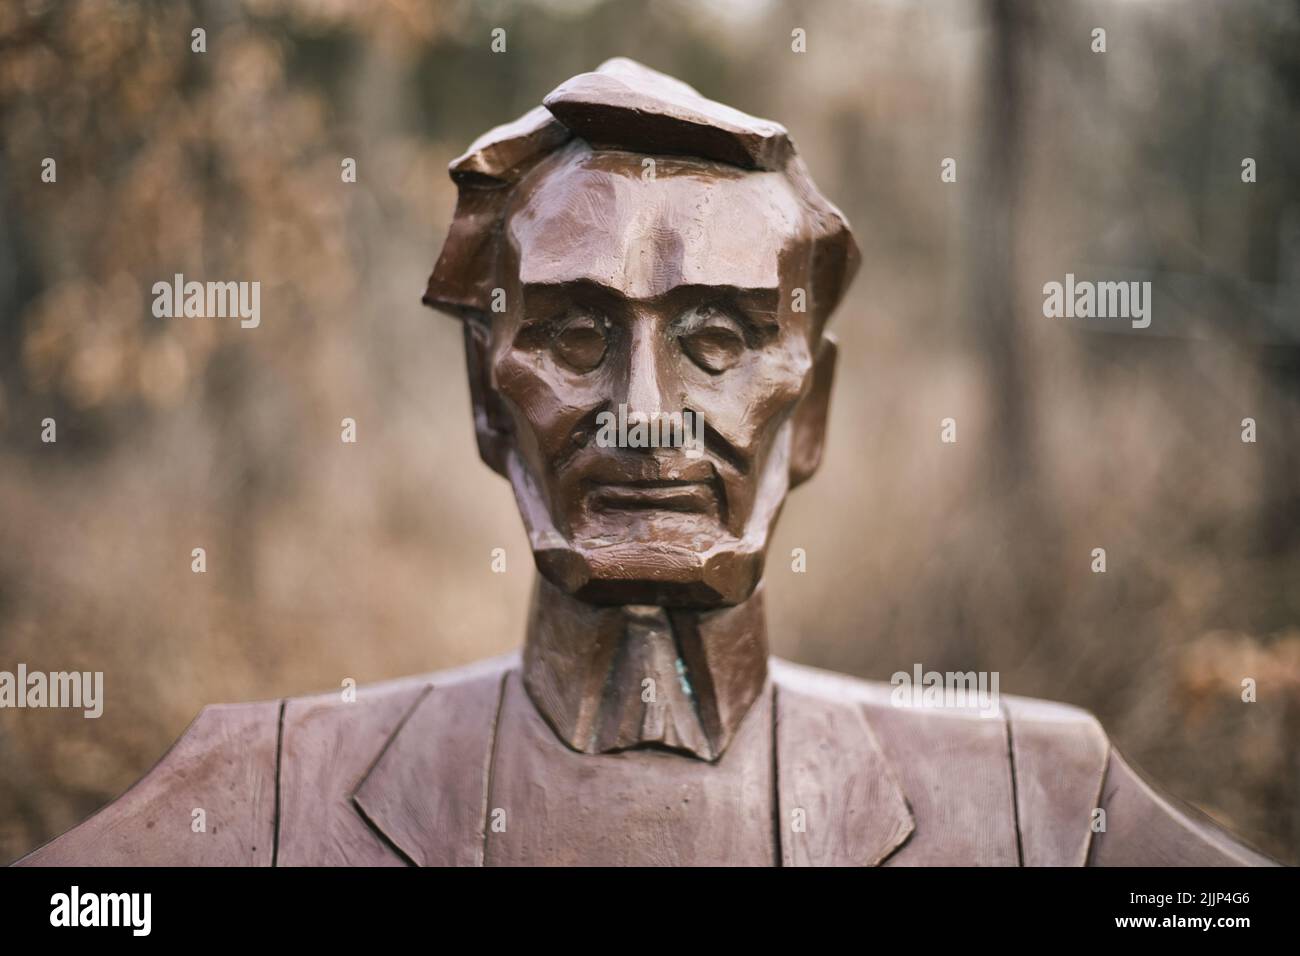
[[1017, 521], [993, 214]]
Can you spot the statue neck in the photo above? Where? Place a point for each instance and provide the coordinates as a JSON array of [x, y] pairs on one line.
[[612, 678]]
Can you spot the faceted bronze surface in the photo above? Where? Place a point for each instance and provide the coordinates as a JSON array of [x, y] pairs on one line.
[[632, 244]]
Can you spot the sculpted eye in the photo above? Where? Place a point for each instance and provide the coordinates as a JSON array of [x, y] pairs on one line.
[[580, 340], [713, 339]]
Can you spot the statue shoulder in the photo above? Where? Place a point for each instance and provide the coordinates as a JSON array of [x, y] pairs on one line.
[[953, 766], [1130, 821], [270, 782], [1027, 781], [999, 781], [210, 800], [881, 699], [1144, 827]]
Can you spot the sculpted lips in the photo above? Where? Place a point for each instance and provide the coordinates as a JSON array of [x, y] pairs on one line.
[[697, 496], [622, 482]]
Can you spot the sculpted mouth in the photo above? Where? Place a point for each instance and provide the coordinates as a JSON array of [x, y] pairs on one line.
[[686, 496]]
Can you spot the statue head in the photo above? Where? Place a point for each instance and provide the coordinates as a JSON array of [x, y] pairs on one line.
[[644, 278]]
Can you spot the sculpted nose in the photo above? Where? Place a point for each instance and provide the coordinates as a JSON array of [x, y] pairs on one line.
[[644, 375]]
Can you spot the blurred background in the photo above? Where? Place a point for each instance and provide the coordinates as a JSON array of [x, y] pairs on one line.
[[373, 560]]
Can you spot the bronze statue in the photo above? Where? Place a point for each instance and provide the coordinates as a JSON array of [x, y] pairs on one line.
[[632, 250]]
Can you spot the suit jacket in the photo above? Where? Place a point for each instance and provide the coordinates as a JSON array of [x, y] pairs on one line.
[[459, 768]]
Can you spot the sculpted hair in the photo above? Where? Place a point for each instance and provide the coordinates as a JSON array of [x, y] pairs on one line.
[[625, 106]]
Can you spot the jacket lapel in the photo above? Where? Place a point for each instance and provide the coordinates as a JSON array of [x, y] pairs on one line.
[[427, 792], [840, 801]]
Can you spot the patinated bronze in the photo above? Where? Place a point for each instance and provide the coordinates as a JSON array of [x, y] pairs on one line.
[[633, 247]]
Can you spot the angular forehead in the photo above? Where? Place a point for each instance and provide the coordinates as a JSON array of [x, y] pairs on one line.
[[593, 216]]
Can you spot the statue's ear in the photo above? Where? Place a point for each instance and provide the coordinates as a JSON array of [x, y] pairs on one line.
[[491, 421], [810, 416]]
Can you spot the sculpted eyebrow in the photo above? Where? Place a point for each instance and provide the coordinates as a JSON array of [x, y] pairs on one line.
[[550, 295], [571, 287], [765, 297], [762, 304]]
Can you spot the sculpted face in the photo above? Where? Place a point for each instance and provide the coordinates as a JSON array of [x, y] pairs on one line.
[[667, 295]]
